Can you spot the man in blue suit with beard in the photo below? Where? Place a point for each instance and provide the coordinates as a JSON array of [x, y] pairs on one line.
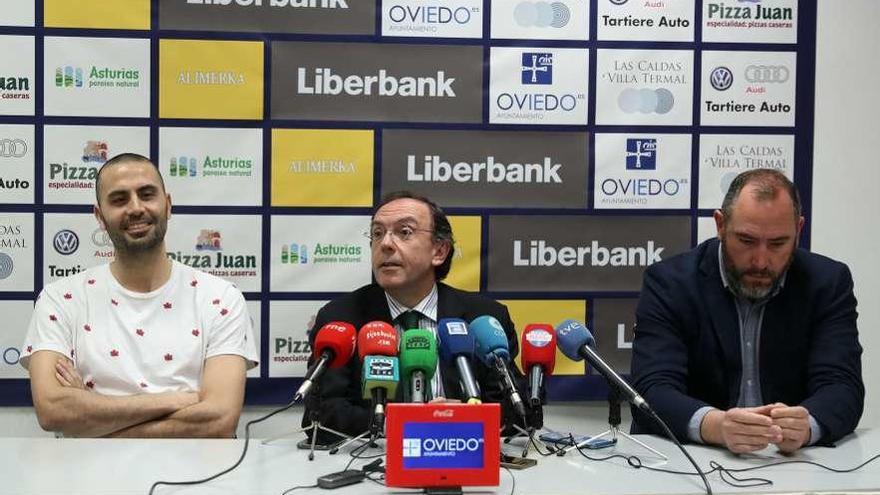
[[747, 340]]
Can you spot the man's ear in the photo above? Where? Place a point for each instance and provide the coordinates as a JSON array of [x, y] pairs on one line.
[[441, 252], [719, 223], [96, 210]]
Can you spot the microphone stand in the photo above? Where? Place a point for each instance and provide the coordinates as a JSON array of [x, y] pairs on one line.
[[313, 428], [614, 426], [377, 426]]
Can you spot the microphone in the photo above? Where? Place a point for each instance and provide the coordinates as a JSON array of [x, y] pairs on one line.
[[377, 348], [538, 357], [418, 359], [492, 350], [333, 347], [575, 342], [457, 345]]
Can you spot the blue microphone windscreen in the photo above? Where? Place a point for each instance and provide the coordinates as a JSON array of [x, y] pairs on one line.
[[454, 339], [571, 335], [489, 339]]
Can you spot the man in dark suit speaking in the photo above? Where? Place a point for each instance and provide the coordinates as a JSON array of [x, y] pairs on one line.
[[746, 340], [412, 248]]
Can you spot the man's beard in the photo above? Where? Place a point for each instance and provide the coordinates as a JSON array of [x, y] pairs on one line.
[[736, 282], [126, 246]]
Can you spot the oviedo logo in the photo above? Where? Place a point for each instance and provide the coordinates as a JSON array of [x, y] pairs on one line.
[[69, 76], [430, 14], [537, 68], [641, 154]]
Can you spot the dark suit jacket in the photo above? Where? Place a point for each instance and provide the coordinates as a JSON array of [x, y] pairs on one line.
[[686, 350], [337, 399]]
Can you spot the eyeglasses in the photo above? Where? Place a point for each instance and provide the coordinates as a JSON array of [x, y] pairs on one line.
[[402, 233]]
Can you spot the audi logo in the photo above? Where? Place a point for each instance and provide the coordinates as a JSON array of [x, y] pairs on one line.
[[721, 78], [66, 242], [101, 238], [767, 73], [12, 148]]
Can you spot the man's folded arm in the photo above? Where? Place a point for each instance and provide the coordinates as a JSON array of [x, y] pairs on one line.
[[660, 361], [216, 413], [835, 387], [82, 413]]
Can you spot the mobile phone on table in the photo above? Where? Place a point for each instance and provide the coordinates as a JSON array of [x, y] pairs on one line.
[[513, 462], [600, 443]]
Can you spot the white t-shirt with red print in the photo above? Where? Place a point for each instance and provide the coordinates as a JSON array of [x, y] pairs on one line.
[[125, 342]]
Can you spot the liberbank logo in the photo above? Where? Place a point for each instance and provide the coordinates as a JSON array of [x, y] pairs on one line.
[[73, 77], [323, 81], [311, 4], [369, 81], [434, 169], [542, 253]]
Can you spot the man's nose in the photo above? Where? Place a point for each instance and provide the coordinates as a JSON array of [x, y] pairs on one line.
[[761, 256]]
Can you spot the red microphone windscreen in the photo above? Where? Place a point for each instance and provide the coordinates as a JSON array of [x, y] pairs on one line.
[[539, 347], [337, 336], [377, 338]]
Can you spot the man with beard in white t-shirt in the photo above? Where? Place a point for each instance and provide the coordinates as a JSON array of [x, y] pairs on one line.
[[144, 346]]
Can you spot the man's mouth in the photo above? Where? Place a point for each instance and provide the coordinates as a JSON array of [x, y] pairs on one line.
[[137, 228]]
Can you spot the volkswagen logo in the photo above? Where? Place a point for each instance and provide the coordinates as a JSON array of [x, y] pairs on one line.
[[721, 78], [12, 148], [6, 266], [66, 242], [767, 73], [618, 2], [100, 238]]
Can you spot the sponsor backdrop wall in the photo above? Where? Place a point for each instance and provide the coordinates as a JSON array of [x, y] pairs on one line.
[[573, 142]]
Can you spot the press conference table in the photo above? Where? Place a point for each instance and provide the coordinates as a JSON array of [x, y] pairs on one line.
[[97, 466]]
